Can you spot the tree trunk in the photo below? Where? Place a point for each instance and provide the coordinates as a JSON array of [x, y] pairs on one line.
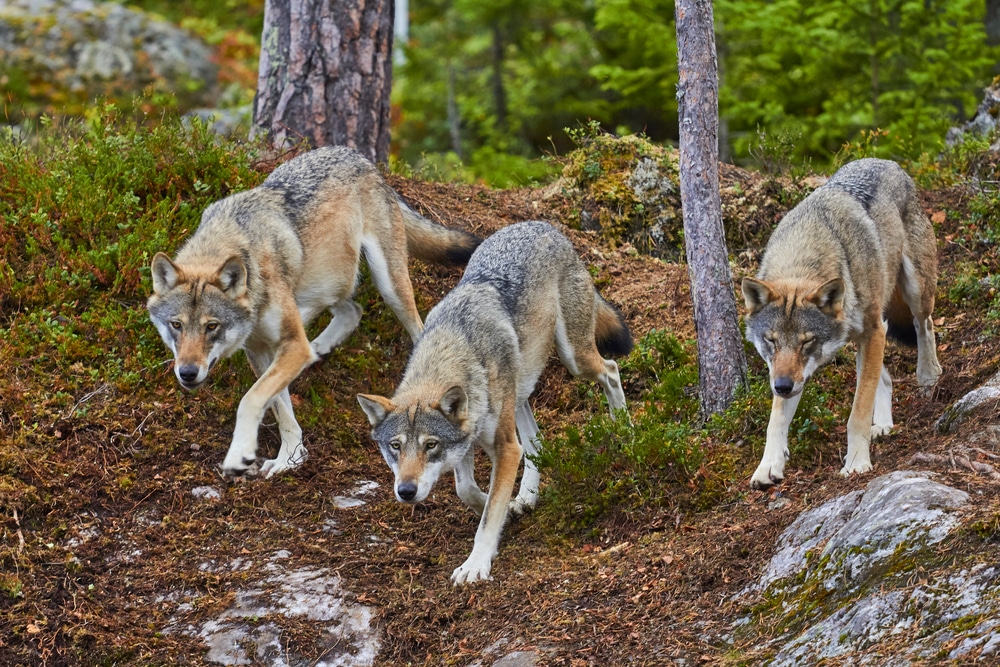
[[992, 22], [325, 74], [499, 96], [721, 361]]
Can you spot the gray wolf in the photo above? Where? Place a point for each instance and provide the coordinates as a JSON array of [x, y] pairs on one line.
[[467, 383], [855, 251], [265, 262]]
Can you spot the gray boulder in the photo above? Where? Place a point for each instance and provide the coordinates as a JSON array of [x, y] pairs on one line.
[[58, 55], [860, 576]]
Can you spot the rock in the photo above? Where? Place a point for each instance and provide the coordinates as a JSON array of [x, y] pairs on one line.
[[60, 54], [963, 407], [858, 577], [983, 122]]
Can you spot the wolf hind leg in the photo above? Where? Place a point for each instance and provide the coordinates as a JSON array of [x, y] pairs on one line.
[[392, 279], [527, 430], [918, 293], [346, 315], [580, 357]]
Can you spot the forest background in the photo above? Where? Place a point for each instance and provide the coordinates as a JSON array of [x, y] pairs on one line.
[[481, 90]]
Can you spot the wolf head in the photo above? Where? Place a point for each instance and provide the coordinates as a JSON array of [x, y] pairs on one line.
[[419, 440], [795, 328], [201, 313]]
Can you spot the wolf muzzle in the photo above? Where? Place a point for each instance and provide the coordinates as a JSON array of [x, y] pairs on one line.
[[406, 491]]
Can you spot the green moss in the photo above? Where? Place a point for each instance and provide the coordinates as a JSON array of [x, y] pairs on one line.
[[626, 188]]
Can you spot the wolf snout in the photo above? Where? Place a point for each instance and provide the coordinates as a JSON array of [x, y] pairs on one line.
[[783, 386], [406, 491], [188, 375]]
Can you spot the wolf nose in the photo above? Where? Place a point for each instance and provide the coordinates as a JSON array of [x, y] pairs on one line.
[[783, 386], [188, 373], [406, 490]]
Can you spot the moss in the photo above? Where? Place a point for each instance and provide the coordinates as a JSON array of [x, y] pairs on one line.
[[626, 188]]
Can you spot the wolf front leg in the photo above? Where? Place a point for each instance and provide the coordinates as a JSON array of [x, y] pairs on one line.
[[859, 424], [292, 357], [506, 461], [771, 470]]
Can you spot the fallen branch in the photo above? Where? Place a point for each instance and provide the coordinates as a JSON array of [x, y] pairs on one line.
[[956, 461]]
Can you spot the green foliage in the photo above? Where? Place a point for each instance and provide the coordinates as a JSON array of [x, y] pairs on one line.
[[839, 68], [626, 188], [83, 208], [643, 461]]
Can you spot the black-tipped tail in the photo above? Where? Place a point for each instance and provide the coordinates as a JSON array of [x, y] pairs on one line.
[[436, 243], [611, 333]]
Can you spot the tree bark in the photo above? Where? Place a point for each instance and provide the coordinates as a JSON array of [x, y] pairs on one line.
[[992, 22], [326, 74], [721, 360]]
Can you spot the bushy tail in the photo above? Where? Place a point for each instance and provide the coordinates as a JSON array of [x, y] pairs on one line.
[[611, 332], [436, 243], [900, 322]]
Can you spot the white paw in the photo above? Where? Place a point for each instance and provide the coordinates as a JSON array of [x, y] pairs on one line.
[[879, 430], [238, 460], [768, 474], [519, 506], [858, 466], [280, 463], [472, 570]]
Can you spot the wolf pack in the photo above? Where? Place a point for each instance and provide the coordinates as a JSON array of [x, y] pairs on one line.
[[856, 261]]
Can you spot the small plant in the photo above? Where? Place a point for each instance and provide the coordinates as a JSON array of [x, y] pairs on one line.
[[609, 463]]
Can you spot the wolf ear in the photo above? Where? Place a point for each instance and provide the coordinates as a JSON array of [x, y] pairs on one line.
[[454, 405], [376, 407], [165, 273], [829, 297], [756, 294], [232, 277]]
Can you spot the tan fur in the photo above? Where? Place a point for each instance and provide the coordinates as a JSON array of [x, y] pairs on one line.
[[856, 250], [266, 262]]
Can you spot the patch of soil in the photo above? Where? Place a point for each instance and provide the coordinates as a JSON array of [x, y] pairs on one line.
[[116, 553]]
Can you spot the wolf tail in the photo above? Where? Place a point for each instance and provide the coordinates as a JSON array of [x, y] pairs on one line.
[[436, 243], [611, 332], [900, 321]]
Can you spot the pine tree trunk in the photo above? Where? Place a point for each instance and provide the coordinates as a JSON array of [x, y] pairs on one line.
[[721, 360], [326, 73]]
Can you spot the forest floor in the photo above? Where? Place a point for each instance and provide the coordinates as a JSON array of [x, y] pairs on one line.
[[141, 558]]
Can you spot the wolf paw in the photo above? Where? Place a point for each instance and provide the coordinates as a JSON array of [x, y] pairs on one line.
[[879, 430], [470, 571], [520, 506], [856, 467], [282, 463]]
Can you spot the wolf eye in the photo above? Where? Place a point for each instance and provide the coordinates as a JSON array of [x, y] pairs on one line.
[[211, 326], [430, 444], [808, 343], [176, 324], [394, 444]]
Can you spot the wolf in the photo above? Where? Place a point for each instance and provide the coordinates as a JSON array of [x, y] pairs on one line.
[[467, 383], [855, 251], [265, 262]]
